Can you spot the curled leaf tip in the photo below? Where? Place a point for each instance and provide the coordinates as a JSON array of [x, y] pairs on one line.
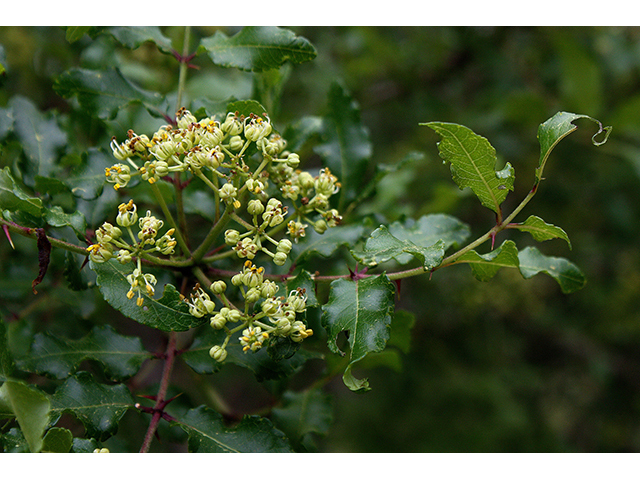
[[606, 131]]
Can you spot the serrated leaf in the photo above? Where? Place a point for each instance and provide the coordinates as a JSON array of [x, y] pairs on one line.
[[540, 230], [555, 129], [258, 48], [104, 93], [99, 407], [567, 274], [484, 267], [381, 246], [363, 309], [31, 408], [134, 36], [168, 313], [14, 199], [207, 434], [40, 136], [304, 413], [345, 144], [121, 356], [473, 160]]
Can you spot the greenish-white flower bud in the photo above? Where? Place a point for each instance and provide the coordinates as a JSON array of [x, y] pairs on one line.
[[232, 125], [268, 289], [270, 306], [218, 287], [124, 256], [234, 315], [284, 246], [305, 180], [280, 258], [255, 207], [320, 226], [293, 160], [231, 237], [252, 295], [218, 353], [236, 143], [218, 321]]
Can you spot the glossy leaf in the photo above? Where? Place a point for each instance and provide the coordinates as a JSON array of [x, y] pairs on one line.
[[87, 180], [121, 356], [381, 246], [31, 408], [556, 128], [473, 160], [486, 266], [104, 93], [345, 144], [327, 243], [303, 414], [99, 407], [540, 230], [258, 48], [168, 313], [363, 309], [14, 199], [568, 275], [428, 229], [207, 434], [56, 217]]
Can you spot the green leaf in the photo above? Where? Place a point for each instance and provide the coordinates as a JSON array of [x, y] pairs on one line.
[[99, 407], [363, 309], [58, 440], [540, 230], [104, 93], [207, 434], [40, 136], [246, 108], [486, 266], [73, 34], [345, 147], [401, 327], [257, 48], [304, 281], [381, 246], [87, 180], [31, 408], [14, 199], [56, 217], [121, 356], [327, 243], [568, 275], [473, 161], [555, 129], [168, 313], [76, 278], [303, 414], [133, 37]]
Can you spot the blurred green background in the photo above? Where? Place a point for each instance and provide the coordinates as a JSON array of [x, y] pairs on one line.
[[507, 365]]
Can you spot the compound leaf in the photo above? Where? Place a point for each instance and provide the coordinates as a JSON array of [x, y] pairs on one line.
[[99, 407], [473, 161], [207, 434], [567, 274], [363, 309], [121, 356], [258, 48], [168, 313]]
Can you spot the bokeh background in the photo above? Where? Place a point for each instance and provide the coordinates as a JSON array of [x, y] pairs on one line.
[[506, 365]]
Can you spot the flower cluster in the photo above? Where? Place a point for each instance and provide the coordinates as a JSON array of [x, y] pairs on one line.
[[214, 152], [110, 244], [271, 315]]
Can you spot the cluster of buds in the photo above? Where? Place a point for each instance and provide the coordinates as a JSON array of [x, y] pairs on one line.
[[110, 244], [272, 315]]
